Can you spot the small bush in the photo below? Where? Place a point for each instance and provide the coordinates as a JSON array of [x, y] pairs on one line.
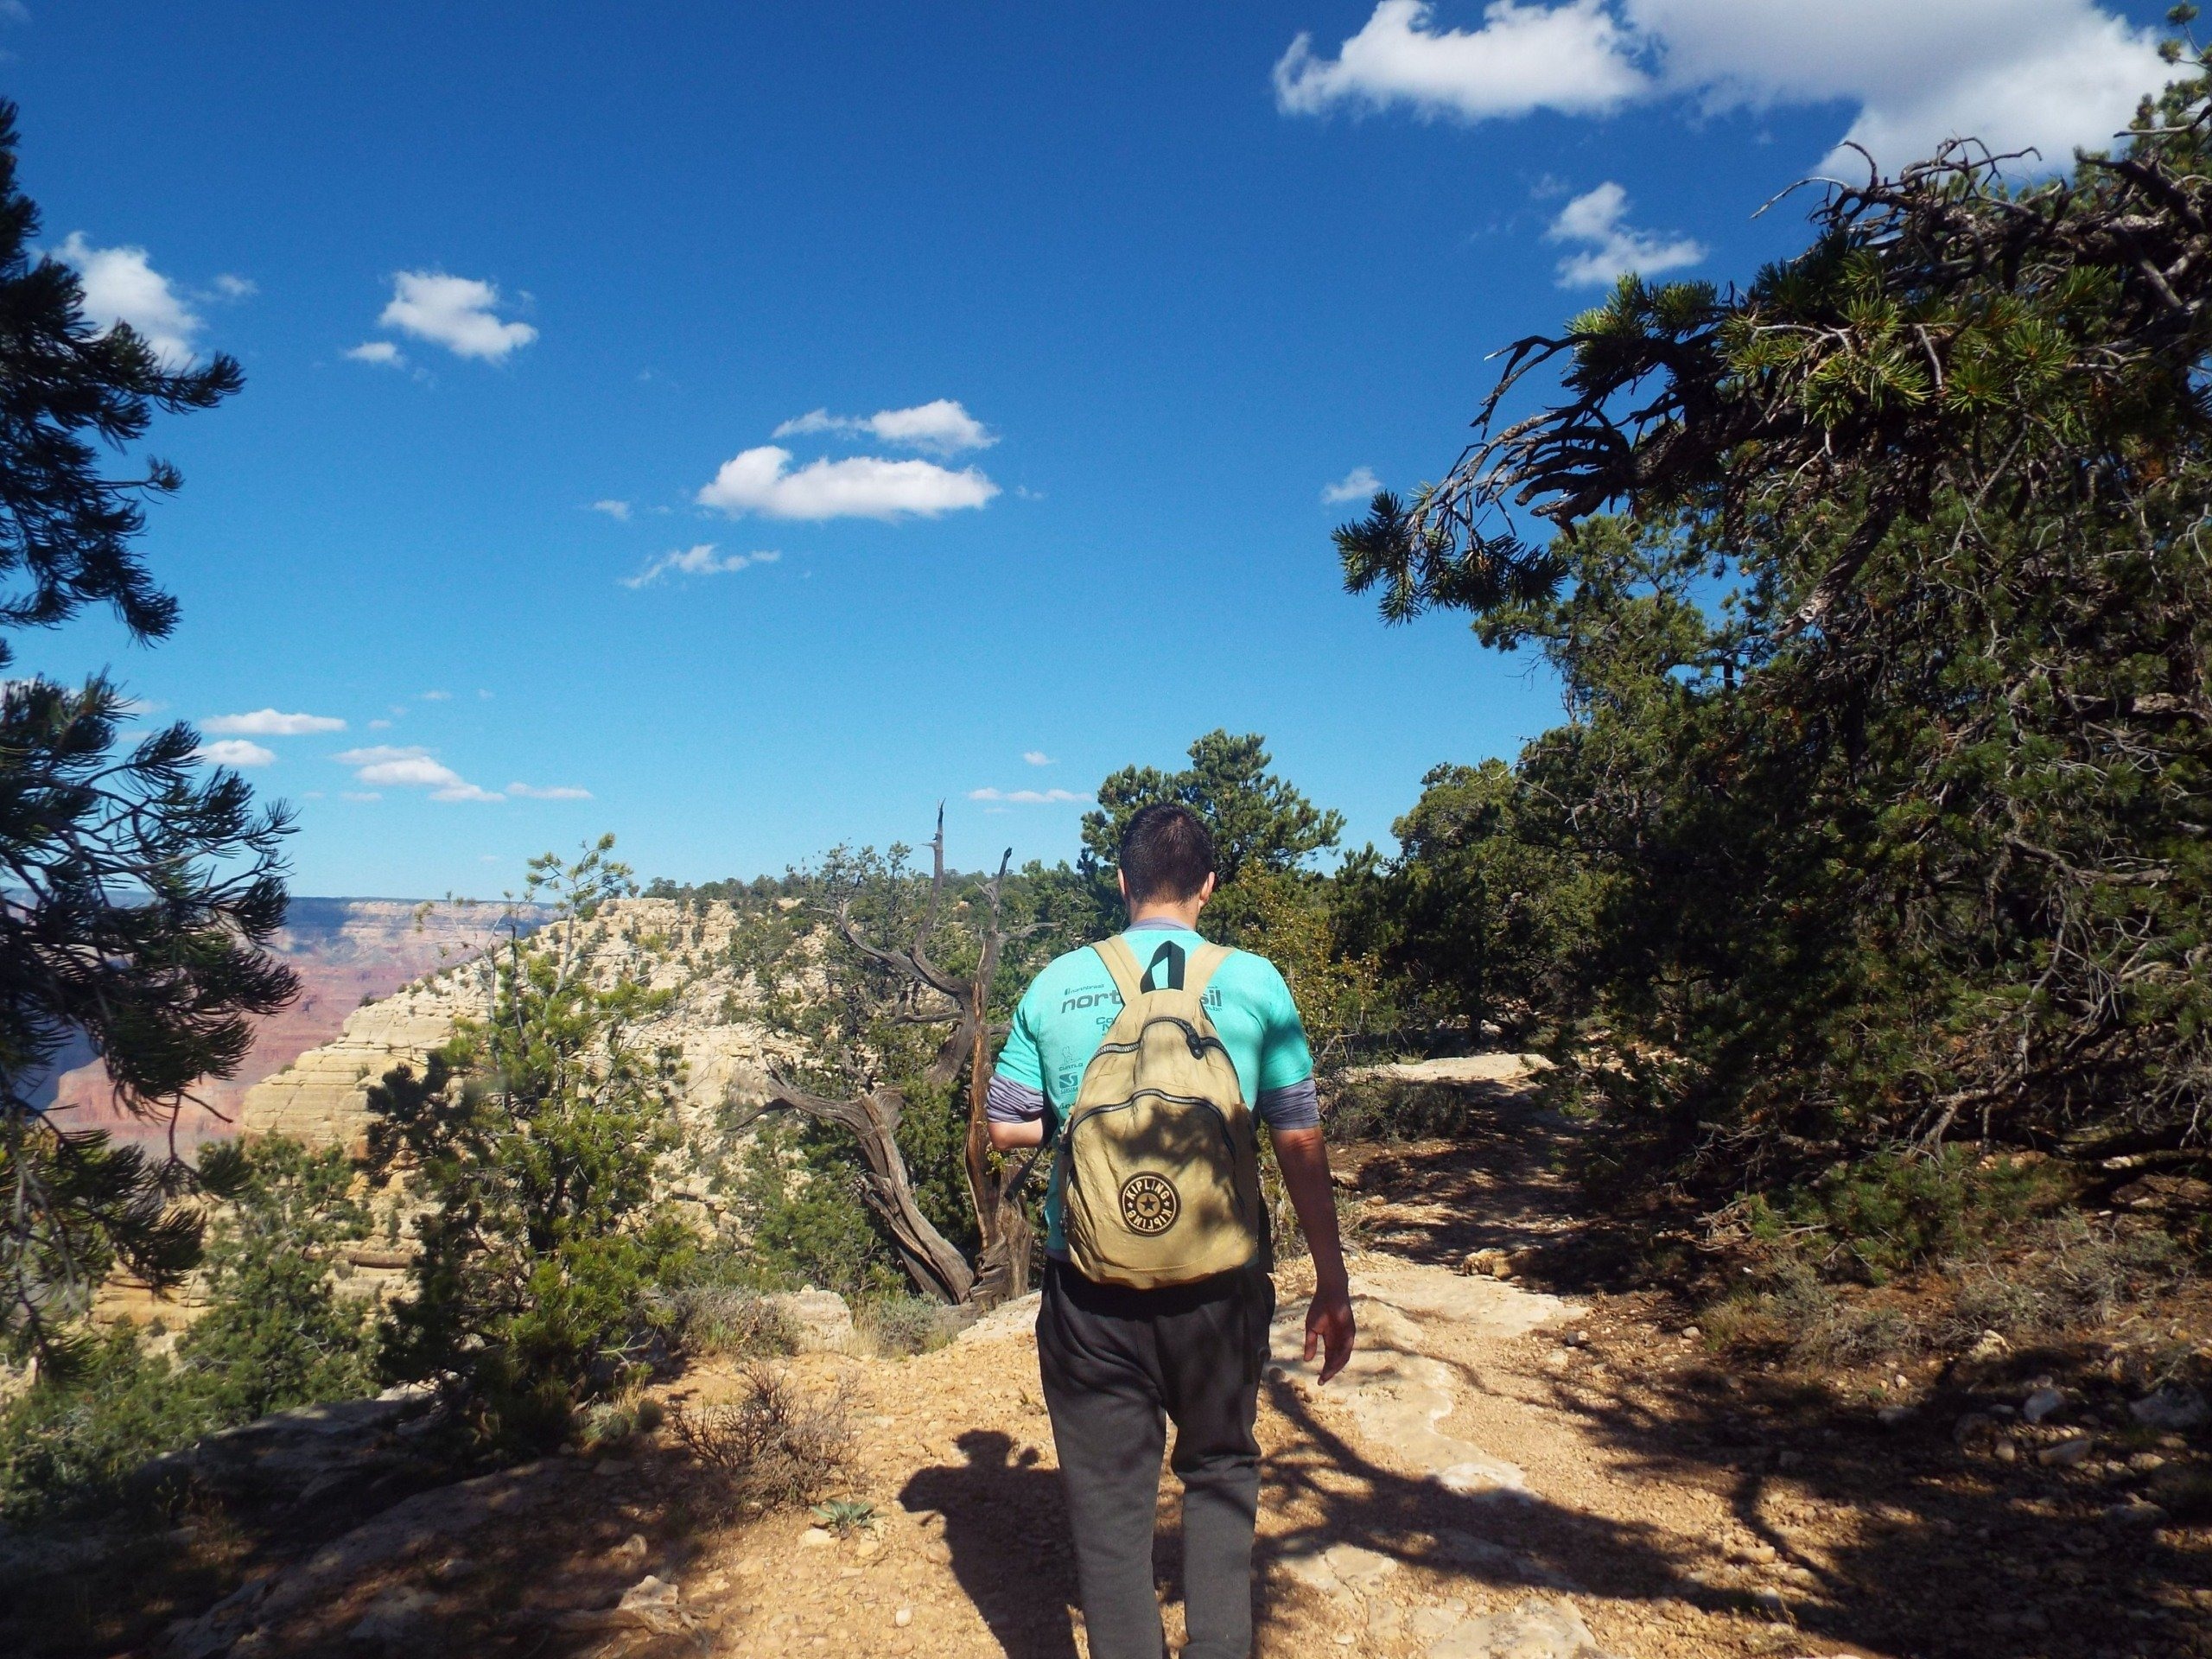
[[2069, 1273], [1380, 1108], [770, 1449], [610, 1423], [898, 1326], [1895, 1211], [1791, 1310], [733, 1321], [845, 1517]]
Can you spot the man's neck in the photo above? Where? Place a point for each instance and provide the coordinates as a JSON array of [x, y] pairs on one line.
[[1182, 916]]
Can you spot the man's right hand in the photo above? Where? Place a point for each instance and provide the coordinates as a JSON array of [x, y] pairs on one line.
[[1330, 1327]]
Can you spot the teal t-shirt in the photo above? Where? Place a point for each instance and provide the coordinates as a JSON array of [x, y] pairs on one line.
[[1065, 1014]]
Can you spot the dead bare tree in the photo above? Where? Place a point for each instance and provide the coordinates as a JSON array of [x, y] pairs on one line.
[[931, 994]]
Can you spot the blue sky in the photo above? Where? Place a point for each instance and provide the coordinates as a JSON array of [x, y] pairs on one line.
[[1095, 303]]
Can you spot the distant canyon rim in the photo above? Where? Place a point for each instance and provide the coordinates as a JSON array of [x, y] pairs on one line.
[[346, 952]]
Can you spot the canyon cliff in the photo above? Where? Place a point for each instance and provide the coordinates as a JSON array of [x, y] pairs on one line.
[[711, 1019], [347, 952]]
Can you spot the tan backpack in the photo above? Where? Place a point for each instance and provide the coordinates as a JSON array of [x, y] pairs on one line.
[[1159, 1166]]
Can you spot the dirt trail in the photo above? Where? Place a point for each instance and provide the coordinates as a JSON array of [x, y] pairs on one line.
[[1503, 1472], [1507, 1471]]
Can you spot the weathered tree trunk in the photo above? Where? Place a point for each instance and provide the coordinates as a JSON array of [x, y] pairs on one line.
[[937, 1269], [1002, 1263], [1002, 1266]]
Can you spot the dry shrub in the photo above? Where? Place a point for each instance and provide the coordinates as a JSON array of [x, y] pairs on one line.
[[2072, 1273], [734, 1322], [898, 1326], [772, 1448], [1793, 1311], [2059, 1275]]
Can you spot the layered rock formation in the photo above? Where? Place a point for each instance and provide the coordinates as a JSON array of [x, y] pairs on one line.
[[346, 952], [321, 1098]]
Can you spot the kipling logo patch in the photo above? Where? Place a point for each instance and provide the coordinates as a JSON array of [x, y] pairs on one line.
[[1149, 1205]]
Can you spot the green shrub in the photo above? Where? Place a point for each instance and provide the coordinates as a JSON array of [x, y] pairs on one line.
[[1895, 1211], [798, 1196], [71, 1443], [532, 1141], [274, 1334]]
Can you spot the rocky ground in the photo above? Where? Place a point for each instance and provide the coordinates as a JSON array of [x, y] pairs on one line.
[[1529, 1466]]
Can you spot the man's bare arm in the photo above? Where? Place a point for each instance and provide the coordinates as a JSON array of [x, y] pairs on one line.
[[1008, 1137], [1303, 1157]]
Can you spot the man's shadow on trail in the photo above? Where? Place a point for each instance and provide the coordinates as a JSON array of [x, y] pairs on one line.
[[1006, 1527]]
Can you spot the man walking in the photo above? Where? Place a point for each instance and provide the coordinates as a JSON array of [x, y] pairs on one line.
[[1146, 1061]]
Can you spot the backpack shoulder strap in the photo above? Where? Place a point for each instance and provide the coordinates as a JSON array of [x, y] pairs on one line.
[[1121, 964], [1204, 962]]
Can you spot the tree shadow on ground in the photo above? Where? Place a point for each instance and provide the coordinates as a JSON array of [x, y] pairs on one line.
[[1497, 1182], [1908, 1535], [1007, 1527], [527, 1561], [1506, 1540], [1899, 1536]]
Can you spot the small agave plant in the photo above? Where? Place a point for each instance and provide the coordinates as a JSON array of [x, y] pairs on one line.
[[845, 1516]]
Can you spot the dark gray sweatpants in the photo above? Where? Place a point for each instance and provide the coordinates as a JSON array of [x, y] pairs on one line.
[[1115, 1362]]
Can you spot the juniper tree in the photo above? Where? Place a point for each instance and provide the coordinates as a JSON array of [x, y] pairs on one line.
[[1892, 730], [1261, 821], [137, 887], [529, 1143]]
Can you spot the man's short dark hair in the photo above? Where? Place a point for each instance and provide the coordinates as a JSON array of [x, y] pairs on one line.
[[1166, 854]]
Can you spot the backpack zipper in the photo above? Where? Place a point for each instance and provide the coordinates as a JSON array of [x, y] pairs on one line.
[[1220, 1117], [1198, 1041]]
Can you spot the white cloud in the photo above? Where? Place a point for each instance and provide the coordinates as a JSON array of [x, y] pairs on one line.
[[437, 696], [613, 509], [268, 722], [2049, 74], [236, 752], [1575, 58], [359, 795], [396, 766], [381, 352], [1611, 247], [382, 766], [454, 312], [862, 486], [1357, 485], [1037, 757], [1027, 797], [120, 286], [699, 561], [379, 725], [385, 767], [236, 288], [942, 427]]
